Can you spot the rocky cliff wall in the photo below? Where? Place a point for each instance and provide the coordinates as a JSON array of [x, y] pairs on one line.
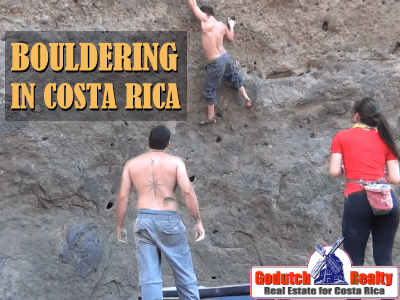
[[261, 175]]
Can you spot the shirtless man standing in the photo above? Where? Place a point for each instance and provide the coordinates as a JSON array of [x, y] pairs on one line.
[[220, 64], [158, 228]]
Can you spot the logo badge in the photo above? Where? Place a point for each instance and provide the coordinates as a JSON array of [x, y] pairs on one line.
[[328, 274]]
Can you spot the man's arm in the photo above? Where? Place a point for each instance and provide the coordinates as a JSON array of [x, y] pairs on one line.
[[229, 33], [196, 10], [123, 197], [190, 198]]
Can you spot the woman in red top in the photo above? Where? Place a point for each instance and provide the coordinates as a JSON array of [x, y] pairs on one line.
[[366, 150]]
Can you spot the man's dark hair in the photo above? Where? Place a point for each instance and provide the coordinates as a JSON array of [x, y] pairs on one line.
[[207, 10], [159, 137]]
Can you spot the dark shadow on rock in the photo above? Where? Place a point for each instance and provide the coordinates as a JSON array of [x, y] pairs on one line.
[[84, 249], [280, 74]]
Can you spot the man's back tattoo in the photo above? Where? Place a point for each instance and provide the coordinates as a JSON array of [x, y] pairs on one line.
[[153, 183]]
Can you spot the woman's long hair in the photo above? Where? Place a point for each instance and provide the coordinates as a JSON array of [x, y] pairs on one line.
[[370, 114]]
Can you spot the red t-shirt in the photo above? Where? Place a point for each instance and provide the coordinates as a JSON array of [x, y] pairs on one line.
[[364, 155]]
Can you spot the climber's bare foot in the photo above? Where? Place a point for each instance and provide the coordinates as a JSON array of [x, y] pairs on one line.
[[248, 103]]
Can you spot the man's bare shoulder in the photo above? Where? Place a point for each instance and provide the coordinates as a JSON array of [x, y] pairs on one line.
[[221, 26], [145, 156], [135, 160], [174, 159]]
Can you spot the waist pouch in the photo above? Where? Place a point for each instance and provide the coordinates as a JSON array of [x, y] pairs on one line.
[[378, 195]]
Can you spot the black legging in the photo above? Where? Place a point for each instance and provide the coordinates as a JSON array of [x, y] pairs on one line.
[[359, 220]]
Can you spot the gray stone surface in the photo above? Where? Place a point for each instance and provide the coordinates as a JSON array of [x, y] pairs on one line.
[[261, 175]]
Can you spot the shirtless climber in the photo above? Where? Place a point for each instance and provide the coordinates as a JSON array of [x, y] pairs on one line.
[[158, 228], [220, 64]]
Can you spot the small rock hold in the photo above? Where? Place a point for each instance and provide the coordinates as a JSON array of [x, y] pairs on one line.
[[325, 26], [396, 47], [280, 74], [304, 8]]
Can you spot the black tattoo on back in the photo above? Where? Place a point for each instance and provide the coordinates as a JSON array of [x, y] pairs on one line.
[[153, 184]]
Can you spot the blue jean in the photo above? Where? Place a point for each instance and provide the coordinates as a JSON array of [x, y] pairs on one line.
[[163, 232], [359, 221], [223, 67]]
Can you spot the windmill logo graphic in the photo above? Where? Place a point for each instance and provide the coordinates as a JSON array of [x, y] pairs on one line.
[[333, 271]]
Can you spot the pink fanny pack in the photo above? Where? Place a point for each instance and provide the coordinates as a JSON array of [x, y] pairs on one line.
[[378, 194]]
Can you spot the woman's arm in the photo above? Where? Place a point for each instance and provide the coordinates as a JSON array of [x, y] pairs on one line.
[[336, 169], [393, 171]]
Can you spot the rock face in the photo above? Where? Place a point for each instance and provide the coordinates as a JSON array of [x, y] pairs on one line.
[[261, 175]]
